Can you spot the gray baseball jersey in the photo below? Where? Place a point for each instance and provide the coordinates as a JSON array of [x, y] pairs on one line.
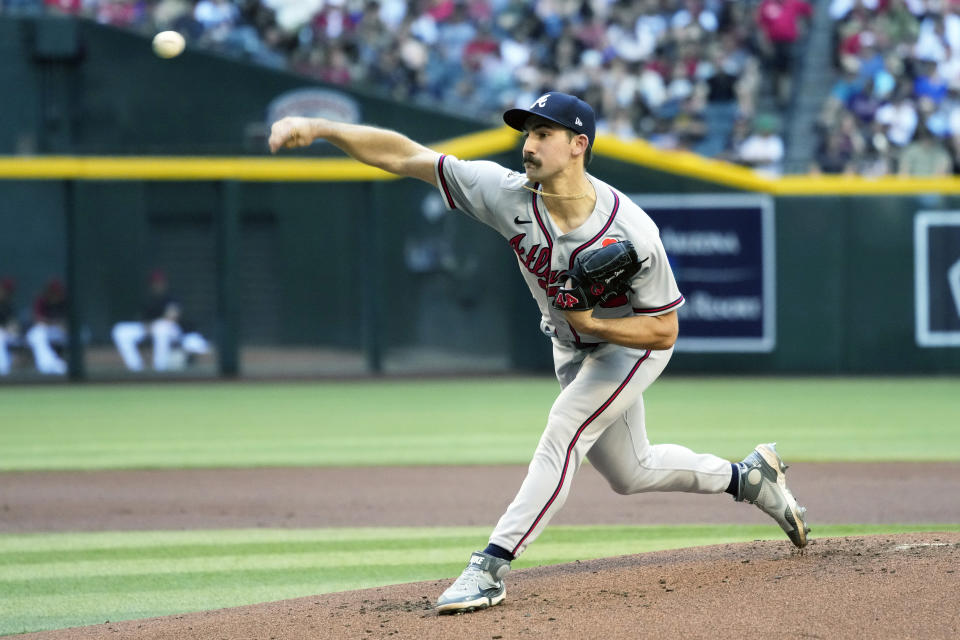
[[496, 197], [599, 413]]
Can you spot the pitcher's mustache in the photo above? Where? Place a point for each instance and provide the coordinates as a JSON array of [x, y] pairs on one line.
[[529, 158]]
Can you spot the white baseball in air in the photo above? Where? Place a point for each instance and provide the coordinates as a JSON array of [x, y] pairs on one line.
[[168, 44]]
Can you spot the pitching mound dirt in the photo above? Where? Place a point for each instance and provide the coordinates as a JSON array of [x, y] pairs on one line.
[[905, 586]]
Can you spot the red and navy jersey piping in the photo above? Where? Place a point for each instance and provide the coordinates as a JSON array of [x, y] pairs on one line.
[[536, 213], [666, 307], [613, 214], [443, 183], [576, 336]]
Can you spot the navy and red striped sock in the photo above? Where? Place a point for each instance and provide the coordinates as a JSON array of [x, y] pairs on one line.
[[498, 552], [734, 488]]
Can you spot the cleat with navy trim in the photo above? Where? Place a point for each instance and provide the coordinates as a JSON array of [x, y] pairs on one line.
[[764, 483], [478, 587]]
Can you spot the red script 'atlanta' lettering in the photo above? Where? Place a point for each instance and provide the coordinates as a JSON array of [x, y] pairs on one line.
[[536, 260]]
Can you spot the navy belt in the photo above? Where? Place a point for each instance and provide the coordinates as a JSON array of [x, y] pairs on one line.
[[586, 345]]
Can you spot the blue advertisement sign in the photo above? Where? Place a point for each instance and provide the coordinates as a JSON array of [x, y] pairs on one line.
[[936, 241], [721, 249]]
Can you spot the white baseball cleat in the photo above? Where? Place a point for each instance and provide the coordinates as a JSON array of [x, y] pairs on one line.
[[763, 483], [478, 587]]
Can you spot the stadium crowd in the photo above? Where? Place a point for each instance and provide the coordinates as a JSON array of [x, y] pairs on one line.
[[895, 107], [682, 74]]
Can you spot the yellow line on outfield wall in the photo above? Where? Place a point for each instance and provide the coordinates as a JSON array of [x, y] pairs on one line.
[[732, 175], [476, 145], [682, 163], [267, 169], [187, 168]]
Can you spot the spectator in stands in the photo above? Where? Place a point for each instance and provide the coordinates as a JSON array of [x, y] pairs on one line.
[[161, 322], [876, 159], [928, 83], [953, 148], [49, 328], [841, 93], [933, 43], [944, 121], [481, 48], [454, 32], [721, 74], [690, 124], [897, 27], [121, 13], [9, 330], [865, 103], [899, 117], [662, 136], [835, 157], [168, 13], [840, 9], [336, 68], [694, 12], [869, 57], [741, 130], [619, 124], [925, 156], [217, 17], [853, 139], [781, 24], [763, 149]]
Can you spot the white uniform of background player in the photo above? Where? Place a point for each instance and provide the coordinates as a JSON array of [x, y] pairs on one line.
[[162, 324], [599, 412]]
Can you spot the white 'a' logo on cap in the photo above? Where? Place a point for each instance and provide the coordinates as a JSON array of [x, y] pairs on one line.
[[577, 121], [541, 101]]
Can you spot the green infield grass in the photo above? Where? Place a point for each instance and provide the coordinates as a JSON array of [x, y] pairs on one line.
[[52, 581], [464, 421]]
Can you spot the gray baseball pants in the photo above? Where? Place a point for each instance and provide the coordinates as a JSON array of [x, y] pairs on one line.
[[599, 414]]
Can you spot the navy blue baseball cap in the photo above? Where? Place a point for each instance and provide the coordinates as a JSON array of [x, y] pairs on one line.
[[566, 110]]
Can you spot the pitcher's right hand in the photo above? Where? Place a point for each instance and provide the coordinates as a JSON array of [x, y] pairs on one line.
[[290, 132]]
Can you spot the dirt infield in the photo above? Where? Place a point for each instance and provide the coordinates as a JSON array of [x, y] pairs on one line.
[[415, 496], [905, 586]]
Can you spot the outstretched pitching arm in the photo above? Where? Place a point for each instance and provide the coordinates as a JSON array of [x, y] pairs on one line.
[[388, 150]]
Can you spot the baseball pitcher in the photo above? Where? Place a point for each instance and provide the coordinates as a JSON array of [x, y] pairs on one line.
[[608, 301]]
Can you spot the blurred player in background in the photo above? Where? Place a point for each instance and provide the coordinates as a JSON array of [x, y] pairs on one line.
[[49, 328], [9, 331], [161, 322]]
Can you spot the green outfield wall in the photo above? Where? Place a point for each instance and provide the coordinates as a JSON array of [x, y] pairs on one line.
[[311, 251]]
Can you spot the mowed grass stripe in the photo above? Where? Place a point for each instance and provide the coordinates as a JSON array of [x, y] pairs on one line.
[[161, 573], [82, 541], [162, 426], [215, 552], [200, 564], [320, 576], [201, 558], [477, 421]]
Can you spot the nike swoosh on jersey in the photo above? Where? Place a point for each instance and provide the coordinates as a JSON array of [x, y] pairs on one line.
[[517, 220]]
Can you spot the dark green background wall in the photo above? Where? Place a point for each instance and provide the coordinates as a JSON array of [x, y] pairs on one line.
[[77, 87]]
